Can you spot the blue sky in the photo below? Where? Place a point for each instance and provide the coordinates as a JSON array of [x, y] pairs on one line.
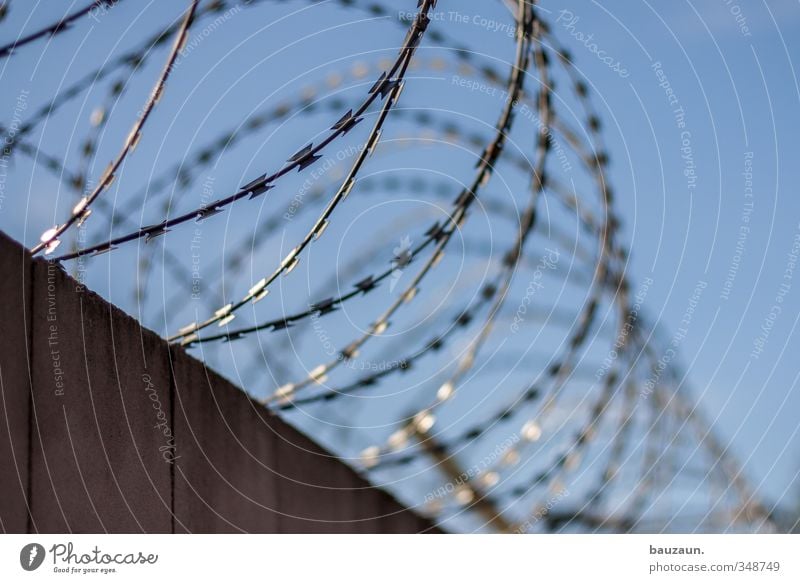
[[699, 108]]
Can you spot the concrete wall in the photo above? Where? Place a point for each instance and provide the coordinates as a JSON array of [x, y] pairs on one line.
[[106, 428]]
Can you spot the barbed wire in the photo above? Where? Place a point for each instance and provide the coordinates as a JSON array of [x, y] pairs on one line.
[[271, 222], [571, 137], [54, 165], [132, 60], [442, 231], [424, 415], [608, 406], [473, 433], [368, 381], [226, 314], [570, 457], [461, 320], [386, 86], [49, 240], [53, 29], [532, 427], [207, 153]]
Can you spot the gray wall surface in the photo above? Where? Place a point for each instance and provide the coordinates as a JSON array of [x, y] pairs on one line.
[[106, 428]]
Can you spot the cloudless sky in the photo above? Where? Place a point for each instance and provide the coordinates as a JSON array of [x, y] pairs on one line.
[[680, 180]]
